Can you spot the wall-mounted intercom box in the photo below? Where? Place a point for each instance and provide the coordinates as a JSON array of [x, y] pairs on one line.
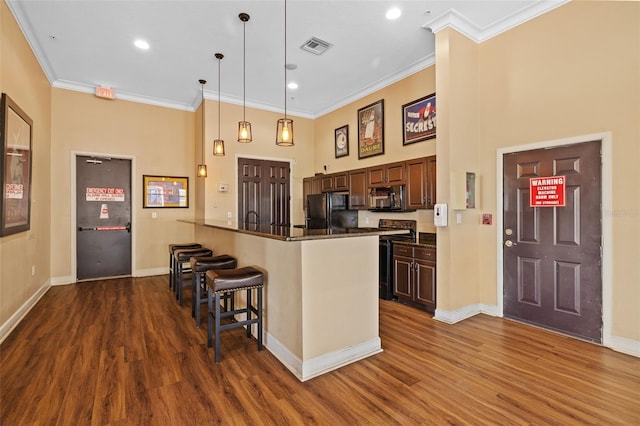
[[440, 215]]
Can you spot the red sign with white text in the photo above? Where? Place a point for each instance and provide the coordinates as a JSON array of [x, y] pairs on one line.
[[547, 191]]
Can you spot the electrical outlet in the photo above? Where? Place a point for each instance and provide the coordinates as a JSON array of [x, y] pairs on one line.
[[33, 270], [229, 215], [154, 215]]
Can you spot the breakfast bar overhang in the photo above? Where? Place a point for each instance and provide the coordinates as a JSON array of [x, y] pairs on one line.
[[321, 290]]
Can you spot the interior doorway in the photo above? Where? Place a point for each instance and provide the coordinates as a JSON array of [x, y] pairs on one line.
[[552, 255], [264, 194]]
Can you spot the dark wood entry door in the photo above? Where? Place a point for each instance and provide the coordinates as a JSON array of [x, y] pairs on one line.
[[552, 257], [103, 217], [263, 192]]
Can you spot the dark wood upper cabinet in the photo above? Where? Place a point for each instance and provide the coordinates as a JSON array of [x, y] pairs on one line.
[[310, 185], [358, 189], [431, 181], [418, 175], [334, 182], [421, 183], [387, 174]]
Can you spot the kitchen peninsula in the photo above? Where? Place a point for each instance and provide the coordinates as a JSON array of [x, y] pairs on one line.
[[321, 290]]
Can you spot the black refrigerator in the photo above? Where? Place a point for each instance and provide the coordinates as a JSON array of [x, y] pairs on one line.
[[330, 210]]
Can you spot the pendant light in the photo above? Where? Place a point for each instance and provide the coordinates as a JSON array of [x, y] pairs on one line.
[[202, 168], [218, 144], [284, 132], [244, 127]]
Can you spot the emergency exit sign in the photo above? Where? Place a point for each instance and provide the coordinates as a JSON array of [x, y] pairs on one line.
[[105, 92], [547, 191]]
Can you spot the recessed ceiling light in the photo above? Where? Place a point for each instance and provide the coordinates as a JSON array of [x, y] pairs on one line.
[[293, 85], [141, 44], [393, 13]]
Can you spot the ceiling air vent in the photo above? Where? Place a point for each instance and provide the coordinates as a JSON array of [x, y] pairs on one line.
[[315, 46]]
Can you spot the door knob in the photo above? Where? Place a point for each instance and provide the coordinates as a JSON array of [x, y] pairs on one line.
[[509, 243]]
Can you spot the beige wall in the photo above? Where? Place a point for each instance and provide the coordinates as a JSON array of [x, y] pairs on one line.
[[23, 80], [223, 169], [548, 79], [457, 151], [159, 140]]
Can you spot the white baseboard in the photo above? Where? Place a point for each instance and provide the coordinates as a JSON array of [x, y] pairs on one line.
[[151, 272], [624, 345], [14, 320], [62, 280], [452, 317], [323, 363], [138, 273]]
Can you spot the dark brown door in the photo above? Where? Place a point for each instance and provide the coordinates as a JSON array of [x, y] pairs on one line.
[[263, 192], [103, 217], [552, 258]]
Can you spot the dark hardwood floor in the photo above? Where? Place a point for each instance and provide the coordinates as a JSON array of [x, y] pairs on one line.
[[122, 352]]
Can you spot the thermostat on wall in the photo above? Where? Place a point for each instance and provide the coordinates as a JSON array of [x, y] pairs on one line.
[[223, 187]]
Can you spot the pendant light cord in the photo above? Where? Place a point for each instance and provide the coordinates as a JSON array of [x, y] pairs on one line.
[[219, 60], [202, 83], [285, 60], [244, 69]]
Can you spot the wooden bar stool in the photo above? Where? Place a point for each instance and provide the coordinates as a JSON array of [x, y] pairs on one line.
[[199, 266], [180, 258], [232, 280], [172, 249]]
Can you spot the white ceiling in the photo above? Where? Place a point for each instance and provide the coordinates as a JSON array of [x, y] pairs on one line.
[[82, 44]]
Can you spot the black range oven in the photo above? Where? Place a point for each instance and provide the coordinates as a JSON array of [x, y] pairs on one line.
[[386, 251]]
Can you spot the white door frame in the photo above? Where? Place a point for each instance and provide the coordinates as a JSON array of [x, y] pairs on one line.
[[606, 198], [134, 202]]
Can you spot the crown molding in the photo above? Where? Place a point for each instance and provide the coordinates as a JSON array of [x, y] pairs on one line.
[[454, 19]]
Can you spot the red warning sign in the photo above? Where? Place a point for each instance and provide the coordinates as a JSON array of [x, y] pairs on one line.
[[547, 191]]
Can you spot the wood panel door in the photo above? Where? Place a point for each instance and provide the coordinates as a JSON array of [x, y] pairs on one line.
[[552, 255], [263, 192]]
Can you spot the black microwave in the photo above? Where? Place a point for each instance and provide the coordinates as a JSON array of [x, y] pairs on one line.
[[387, 198]]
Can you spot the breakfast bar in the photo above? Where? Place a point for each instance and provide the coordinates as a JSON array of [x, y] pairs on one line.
[[321, 290]]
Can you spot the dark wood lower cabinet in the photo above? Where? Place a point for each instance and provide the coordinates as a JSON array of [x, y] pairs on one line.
[[414, 273]]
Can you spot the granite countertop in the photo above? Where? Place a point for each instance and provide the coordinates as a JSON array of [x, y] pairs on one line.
[[425, 239], [416, 244], [292, 233]]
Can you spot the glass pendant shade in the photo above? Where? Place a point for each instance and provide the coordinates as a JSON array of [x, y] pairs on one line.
[[284, 135], [202, 170], [244, 132], [218, 144], [218, 147]]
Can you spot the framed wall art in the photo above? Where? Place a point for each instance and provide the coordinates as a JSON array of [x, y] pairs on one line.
[[16, 129], [165, 191], [341, 140], [371, 130], [419, 120]]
